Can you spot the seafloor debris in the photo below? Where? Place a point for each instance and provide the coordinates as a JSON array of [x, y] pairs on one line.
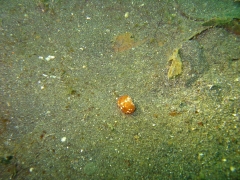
[[125, 41], [176, 64]]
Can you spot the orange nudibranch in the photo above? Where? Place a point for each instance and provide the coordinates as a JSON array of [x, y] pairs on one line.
[[126, 105]]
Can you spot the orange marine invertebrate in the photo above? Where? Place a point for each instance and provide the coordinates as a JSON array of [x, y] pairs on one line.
[[126, 105]]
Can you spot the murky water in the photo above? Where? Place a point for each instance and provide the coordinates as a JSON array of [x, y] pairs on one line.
[[61, 75]]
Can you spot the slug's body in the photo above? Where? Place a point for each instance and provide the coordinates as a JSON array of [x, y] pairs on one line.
[[126, 105]]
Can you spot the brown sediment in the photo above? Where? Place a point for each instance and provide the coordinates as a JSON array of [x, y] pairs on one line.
[[125, 41]]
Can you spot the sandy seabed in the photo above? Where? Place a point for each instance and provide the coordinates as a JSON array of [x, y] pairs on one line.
[[63, 64]]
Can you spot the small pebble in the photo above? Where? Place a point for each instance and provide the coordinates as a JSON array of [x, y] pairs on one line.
[[31, 169], [63, 139], [49, 58], [232, 168]]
